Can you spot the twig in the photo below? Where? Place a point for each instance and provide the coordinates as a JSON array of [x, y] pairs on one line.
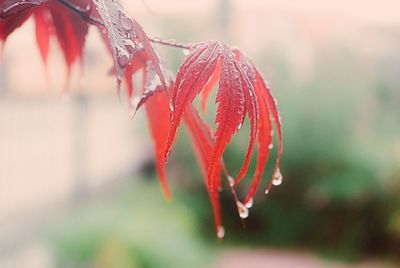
[[84, 13], [171, 43]]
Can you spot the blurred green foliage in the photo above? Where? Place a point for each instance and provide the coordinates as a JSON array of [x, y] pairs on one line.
[[341, 187], [132, 227], [340, 194]]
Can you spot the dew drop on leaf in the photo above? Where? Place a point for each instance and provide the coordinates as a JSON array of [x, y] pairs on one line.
[[129, 44], [221, 232], [171, 107], [277, 180], [266, 191], [243, 210], [249, 203], [122, 57], [270, 146], [231, 181]]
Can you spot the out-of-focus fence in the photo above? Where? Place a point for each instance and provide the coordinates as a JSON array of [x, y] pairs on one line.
[[55, 151]]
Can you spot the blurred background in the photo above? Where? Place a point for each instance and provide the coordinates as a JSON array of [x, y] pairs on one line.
[[77, 180]]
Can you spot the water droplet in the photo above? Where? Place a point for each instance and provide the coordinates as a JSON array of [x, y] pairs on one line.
[[240, 126], [123, 61], [129, 44], [277, 180], [197, 69], [171, 107], [185, 51], [270, 146], [243, 210], [220, 232], [266, 191], [122, 57], [249, 203], [231, 181], [236, 74], [139, 45]]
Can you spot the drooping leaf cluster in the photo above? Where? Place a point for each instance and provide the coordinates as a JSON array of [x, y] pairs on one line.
[[242, 92]]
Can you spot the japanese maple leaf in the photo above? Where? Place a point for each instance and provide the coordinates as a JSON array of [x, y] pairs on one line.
[[51, 18], [68, 21], [239, 95], [267, 110]]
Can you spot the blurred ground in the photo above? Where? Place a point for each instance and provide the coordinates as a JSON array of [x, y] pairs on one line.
[[283, 259]]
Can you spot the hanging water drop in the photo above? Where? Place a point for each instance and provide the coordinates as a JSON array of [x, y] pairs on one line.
[[277, 180], [220, 232], [171, 107], [123, 61], [270, 146], [231, 181], [243, 210], [249, 203], [266, 191]]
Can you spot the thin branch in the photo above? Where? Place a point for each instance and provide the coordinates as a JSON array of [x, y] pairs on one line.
[[84, 13], [171, 43]]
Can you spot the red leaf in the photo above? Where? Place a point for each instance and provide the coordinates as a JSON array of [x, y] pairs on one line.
[[43, 33], [230, 112], [138, 62], [251, 107], [156, 102], [264, 141], [125, 36], [70, 31], [209, 87], [271, 102], [267, 110], [157, 108], [236, 98], [202, 143], [190, 80], [68, 26], [12, 8], [7, 26]]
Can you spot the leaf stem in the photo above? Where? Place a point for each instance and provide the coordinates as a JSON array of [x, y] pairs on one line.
[[231, 182], [170, 43], [83, 13]]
